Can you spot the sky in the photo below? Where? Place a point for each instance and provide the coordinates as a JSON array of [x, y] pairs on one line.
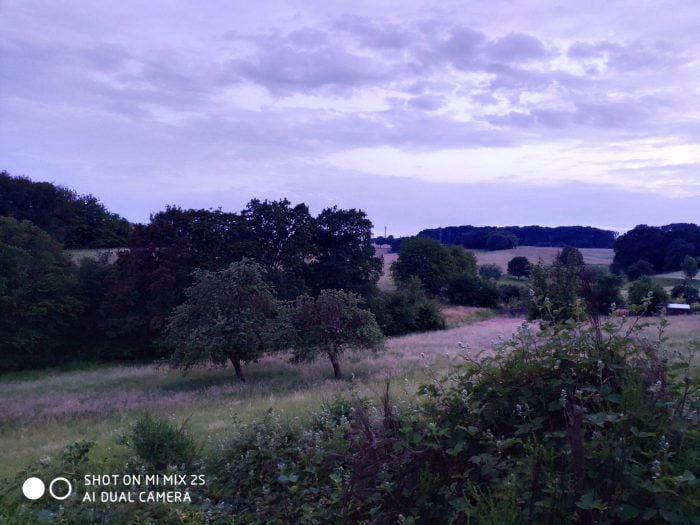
[[421, 113]]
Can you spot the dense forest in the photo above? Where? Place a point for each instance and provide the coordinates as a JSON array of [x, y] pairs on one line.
[[658, 248], [501, 238], [76, 221]]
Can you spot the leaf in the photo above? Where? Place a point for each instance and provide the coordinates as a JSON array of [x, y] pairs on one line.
[[589, 502], [627, 512]]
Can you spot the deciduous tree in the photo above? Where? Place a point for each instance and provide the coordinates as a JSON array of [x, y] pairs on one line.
[[226, 315], [329, 325]]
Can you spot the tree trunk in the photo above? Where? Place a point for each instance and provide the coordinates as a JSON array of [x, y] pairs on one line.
[[238, 368], [336, 366]]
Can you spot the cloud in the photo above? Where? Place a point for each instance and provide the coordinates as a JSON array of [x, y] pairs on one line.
[[516, 48], [91, 94]]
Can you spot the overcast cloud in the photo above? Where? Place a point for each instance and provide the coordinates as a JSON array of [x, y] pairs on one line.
[[481, 112]]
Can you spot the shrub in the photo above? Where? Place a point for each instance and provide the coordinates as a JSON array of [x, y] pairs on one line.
[[472, 291], [159, 443], [639, 269], [490, 271], [512, 294], [688, 293], [647, 295], [407, 309]]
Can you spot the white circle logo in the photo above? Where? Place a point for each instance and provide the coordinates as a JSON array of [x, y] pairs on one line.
[[68, 492], [33, 488]]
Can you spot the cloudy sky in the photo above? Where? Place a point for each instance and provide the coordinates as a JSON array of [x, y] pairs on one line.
[[421, 113]]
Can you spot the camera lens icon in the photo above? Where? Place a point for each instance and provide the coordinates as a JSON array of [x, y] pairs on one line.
[[34, 488]]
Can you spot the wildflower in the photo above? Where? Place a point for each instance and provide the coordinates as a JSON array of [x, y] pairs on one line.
[[655, 469]]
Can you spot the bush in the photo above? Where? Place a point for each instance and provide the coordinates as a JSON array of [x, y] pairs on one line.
[[639, 269], [472, 291], [490, 271], [407, 309], [647, 296], [159, 443], [512, 294], [687, 292]]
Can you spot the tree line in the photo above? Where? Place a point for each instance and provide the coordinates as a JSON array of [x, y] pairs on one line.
[[76, 221], [645, 250], [506, 237]]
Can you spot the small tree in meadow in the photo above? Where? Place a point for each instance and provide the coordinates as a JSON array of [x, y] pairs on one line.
[[490, 271], [689, 267], [519, 267], [226, 316], [330, 324]]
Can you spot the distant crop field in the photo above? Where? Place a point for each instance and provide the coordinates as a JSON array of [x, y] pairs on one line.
[[601, 256], [597, 256], [78, 255]]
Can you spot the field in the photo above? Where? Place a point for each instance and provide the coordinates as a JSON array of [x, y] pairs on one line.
[[595, 256], [42, 411]]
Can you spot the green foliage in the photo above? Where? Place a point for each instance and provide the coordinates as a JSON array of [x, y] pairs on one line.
[[159, 443], [664, 247], [280, 236], [646, 295], [149, 279], [687, 292], [512, 294], [470, 290], [570, 256], [490, 271], [519, 267], [226, 315], [77, 221], [605, 290], [407, 309], [501, 240], [555, 291], [580, 423], [433, 263], [425, 259], [689, 267], [38, 299], [329, 324], [639, 269], [345, 257]]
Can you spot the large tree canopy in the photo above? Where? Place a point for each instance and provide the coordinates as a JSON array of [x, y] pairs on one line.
[[37, 294], [345, 257], [665, 247], [77, 221]]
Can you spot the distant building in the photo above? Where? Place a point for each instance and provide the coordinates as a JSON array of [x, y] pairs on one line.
[[677, 309]]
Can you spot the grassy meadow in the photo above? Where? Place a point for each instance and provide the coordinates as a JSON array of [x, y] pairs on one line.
[[42, 411]]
